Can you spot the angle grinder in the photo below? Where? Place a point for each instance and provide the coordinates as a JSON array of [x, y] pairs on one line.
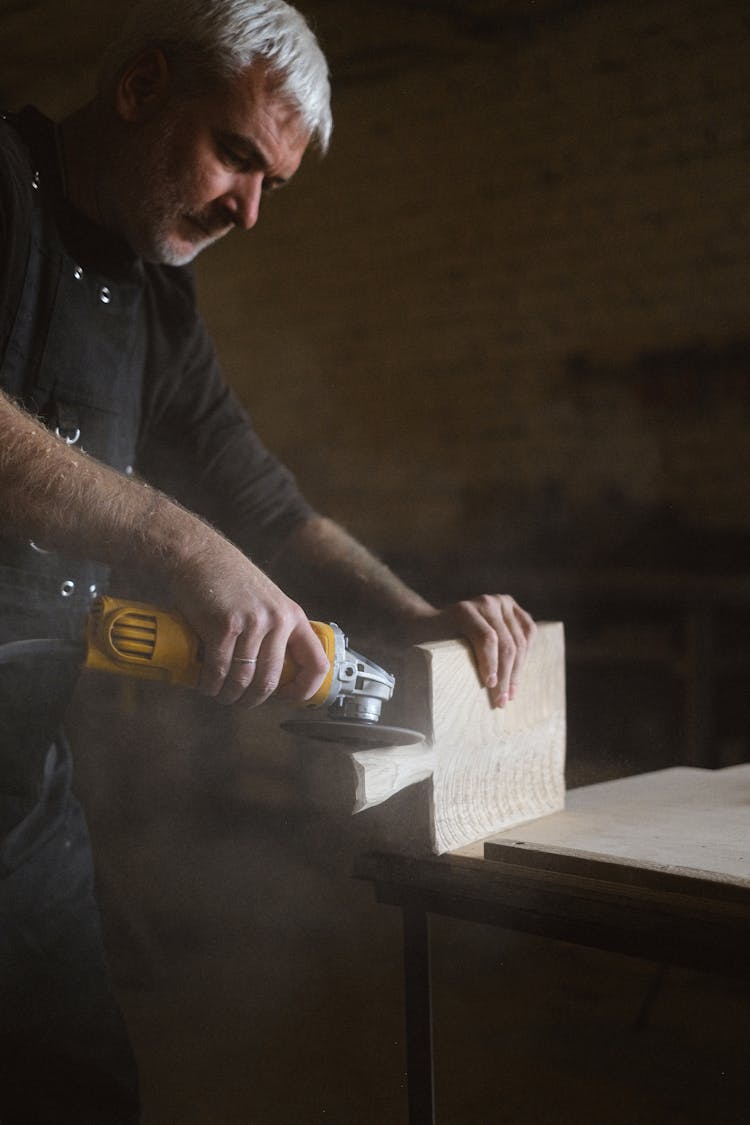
[[136, 639]]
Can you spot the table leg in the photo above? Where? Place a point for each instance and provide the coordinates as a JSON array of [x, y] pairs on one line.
[[418, 997]]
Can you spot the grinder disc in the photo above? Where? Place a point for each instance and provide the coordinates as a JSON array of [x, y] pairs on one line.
[[349, 733]]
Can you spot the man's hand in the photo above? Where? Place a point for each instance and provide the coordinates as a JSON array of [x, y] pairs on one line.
[[323, 560], [247, 625], [64, 499], [500, 634]]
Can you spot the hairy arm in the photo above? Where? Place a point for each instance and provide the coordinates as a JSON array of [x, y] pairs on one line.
[[322, 561], [64, 500]]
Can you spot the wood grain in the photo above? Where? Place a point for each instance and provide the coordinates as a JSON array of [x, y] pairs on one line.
[[490, 767], [675, 822], [479, 771]]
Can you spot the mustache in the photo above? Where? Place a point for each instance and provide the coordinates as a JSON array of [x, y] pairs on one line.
[[213, 221]]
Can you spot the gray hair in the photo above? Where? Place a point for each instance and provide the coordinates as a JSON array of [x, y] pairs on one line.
[[208, 41]]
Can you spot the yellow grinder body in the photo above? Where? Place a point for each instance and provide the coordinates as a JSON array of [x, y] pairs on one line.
[[136, 639]]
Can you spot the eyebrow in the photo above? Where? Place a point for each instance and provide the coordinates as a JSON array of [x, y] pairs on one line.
[[250, 150]]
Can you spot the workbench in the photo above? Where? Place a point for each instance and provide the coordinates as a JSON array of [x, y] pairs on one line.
[[655, 866]]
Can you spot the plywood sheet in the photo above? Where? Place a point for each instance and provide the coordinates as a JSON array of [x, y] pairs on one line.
[[681, 820]]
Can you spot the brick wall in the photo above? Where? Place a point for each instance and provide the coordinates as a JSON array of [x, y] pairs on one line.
[[521, 273]]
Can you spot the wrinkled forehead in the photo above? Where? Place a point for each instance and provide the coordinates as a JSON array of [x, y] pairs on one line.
[[257, 96]]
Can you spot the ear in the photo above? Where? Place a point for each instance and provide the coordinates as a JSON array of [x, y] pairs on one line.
[[143, 85]]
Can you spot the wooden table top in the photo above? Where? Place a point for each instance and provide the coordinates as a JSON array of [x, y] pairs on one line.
[[682, 822], [654, 866]]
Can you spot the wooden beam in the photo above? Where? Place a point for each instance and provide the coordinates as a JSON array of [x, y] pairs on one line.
[[480, 769], [491, 768]]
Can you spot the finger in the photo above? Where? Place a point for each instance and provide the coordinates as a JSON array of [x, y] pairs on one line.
[[503, 646], [514, 629], [511, 645], [217, 662], [242, 670], [479, 621], [301, 652], [264, 680], [524, 631], [308, 662], [506, 659]]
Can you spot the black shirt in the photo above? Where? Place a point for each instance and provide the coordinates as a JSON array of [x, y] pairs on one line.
[[196, 441]]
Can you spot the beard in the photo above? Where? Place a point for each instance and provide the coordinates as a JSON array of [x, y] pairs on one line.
[[153, 203]]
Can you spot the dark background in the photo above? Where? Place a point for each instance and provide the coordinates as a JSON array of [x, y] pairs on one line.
[[502, 334]]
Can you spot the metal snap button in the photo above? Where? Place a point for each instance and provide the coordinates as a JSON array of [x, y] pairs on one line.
[[105, 295], [129, 470], [69, 438], [35, 181], [78, 273], [68, 588], [92, 591]]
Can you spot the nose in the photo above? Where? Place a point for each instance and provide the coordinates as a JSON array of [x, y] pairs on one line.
[[243, 199]]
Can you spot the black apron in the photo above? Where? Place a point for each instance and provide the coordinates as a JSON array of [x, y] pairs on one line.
[[75, 359]]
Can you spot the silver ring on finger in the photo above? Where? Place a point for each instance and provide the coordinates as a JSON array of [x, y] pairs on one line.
[[244, 660]]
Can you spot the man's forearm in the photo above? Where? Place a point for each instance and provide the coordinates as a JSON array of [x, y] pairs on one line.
[[328, 569], [64, 500], [335, 572], [67, 501]]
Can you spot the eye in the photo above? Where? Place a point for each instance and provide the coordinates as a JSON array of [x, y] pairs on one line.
[[233, 159]]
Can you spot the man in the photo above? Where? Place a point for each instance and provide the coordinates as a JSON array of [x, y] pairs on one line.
[[109, 380]]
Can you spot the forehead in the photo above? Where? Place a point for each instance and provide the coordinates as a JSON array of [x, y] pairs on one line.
[[253, 104]]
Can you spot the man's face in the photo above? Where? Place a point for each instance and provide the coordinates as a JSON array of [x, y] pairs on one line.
[[197, 168]]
